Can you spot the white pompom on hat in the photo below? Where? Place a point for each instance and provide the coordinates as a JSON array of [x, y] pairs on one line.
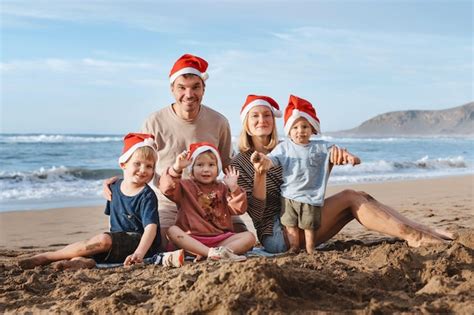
[[189, 64], [200, 147], [298, 107], [133, 141], [259, 100]]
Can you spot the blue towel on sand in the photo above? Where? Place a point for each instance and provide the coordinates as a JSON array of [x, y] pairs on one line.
[[255, 252]]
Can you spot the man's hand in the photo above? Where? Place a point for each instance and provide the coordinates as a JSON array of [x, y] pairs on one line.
[[106, 192]]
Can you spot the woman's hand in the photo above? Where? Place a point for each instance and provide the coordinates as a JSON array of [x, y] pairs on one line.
[[106, 192], [260, 162], [231, 177]]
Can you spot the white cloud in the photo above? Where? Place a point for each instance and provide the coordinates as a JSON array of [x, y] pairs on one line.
[[88, 71], [282, 36], [146, 15], [74, 65]]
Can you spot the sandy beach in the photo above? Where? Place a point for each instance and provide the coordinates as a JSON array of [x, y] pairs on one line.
[[357, 271]]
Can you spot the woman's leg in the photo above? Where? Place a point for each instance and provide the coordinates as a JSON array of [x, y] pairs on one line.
[[341, 208], [437, 232], [98, 244], [239, 243], [186, 242]]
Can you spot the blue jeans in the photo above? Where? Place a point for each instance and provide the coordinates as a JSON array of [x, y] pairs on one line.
[[275, 243]]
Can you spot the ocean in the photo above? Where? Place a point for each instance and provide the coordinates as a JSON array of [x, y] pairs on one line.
[[39, 171]]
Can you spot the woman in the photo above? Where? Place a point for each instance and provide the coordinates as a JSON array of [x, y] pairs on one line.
[[263, 190]]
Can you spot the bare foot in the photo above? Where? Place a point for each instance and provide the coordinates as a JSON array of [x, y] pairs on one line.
[[445, 234], [32, 262], [418, 239], [74, 264]]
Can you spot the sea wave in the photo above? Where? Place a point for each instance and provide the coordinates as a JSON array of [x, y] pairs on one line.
[[425, 165], [50, 190], [58, 174], [372, 178], [46, 138], [449, 139]]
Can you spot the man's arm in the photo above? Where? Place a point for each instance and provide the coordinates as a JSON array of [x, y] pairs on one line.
[[225, 146]]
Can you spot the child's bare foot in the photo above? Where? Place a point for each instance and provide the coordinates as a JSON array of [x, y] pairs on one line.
[[74, 264], [32, 262]]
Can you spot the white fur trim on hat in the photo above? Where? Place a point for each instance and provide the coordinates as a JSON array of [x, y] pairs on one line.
[[203, 149], [259, 102], [295, 114], [145, 143], [189, 70]]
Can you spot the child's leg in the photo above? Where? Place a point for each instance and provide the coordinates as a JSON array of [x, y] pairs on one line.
[[74, 263], [309, 239], [293, 233], [186, 242], [97, 244], [239, 243]]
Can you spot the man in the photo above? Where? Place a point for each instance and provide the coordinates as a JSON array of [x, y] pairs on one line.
[[184, 122]]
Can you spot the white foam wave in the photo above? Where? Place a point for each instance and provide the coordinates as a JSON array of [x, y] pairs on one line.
[[50, 190], [44, 138], [52, 174], [335, 139], [369, 178], [424, 164], [56, 173], [448, 162]]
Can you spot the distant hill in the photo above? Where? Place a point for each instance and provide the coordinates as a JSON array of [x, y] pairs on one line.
[[453, 121]]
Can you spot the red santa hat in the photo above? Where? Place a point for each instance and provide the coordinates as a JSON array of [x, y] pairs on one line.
[[133, 141], [200, 147], [259, 100], [189, 64], [298, 107]]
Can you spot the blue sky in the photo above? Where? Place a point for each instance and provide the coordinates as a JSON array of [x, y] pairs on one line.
[[102, 66]]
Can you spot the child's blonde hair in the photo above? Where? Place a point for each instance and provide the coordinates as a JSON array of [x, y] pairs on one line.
[[146, 153], [208, 153], [245, 139]]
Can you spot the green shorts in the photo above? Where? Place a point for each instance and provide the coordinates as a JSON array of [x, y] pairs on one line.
[[301, 215]]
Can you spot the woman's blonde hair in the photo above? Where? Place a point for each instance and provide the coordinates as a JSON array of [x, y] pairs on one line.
[[246, 142]]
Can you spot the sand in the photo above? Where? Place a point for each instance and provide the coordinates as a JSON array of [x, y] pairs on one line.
[[357, 271]]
